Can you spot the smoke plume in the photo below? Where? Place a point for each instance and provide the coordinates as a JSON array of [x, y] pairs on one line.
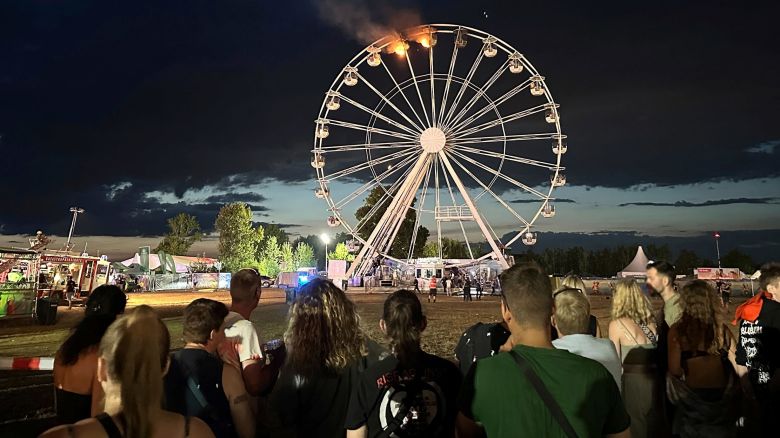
[[364, 24]]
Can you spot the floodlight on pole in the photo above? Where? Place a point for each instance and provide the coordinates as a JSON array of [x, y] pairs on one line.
[[326, 240], [717, 247], [76, 211]]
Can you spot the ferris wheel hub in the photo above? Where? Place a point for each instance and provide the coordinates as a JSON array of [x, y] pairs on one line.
[[433, 140]]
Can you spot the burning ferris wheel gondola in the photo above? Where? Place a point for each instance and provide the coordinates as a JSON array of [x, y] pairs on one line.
[[446, 120]]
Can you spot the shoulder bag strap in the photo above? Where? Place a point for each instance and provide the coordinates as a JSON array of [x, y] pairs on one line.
[[648, 334], [544, 394], [626, 331]]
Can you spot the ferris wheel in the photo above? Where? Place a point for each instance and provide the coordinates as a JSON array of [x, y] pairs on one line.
[[447, 127]]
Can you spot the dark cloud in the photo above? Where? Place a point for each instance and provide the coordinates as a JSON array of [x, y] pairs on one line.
[[93, 94], [705, 203], [536, 201], [249, 198]]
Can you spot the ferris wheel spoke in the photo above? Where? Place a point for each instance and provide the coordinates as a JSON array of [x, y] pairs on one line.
[[372, 129], [507, 157], [420, 210], [406, 99], [378, 115], [494, 104], [507, 138], [482, 91], [368, 164], [417, 87], [502, 120], [447, 86], [463, 87], [437, 202], [454, 204], [376, 181], [387, 193], [487, 189], [433, 87], [364, 146], [387, 101], [508, 179]]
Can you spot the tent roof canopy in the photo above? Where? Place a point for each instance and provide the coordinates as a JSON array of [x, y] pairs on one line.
[[637, 267]]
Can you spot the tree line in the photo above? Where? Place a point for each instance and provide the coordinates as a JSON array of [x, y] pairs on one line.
[[606, 262]]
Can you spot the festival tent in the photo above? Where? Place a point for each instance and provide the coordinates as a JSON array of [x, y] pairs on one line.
[[637, 267], [183, 263]]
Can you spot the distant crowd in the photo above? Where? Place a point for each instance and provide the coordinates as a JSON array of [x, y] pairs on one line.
[[543, 371]]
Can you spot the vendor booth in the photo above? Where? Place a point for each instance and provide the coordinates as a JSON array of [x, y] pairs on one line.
[[18, 269]]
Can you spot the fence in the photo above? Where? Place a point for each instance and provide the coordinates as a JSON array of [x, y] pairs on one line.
[[161, 282]]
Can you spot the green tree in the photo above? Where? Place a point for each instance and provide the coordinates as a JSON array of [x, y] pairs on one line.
[[183, 231], [304, 255], [270, 260], [341, 252], [259, 241], [275, 230], [686, 262], [400, 246], [451, 249], [288, 257], [738, 259], [237, 237]]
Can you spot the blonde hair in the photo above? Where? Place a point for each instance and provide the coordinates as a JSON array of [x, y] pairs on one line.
[[135, 349], [703, 319], [575, 282], [629, 302], [572, 312]]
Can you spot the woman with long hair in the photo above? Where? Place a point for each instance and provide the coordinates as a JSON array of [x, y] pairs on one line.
[[325, 349], [133, 357], [702, 379], [634, 332], [409, 393], [77, 393]]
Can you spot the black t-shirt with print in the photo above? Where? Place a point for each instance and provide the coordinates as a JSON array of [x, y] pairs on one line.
[[413, 402], [759, 346]]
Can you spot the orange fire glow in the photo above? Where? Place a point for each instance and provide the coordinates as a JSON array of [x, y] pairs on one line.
[[399, 47], [425, 42]]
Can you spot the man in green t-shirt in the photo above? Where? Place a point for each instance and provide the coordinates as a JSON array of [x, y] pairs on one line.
[[660, 276], [498, 400]]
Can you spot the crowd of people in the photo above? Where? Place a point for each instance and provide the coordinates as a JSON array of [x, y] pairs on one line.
[[544, 370]]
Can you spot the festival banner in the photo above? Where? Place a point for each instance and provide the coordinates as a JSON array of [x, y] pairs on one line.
[[717, 273]]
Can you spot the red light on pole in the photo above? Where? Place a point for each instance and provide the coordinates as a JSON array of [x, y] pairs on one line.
[[717, 235]]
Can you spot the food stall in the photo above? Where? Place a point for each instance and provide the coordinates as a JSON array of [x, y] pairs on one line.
[[18, 268]]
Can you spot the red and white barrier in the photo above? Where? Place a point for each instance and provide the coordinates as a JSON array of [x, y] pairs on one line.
[[27, 363]]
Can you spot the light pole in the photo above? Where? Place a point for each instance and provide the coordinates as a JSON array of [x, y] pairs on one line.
[[76, 211], [717, 247], [326, 240]]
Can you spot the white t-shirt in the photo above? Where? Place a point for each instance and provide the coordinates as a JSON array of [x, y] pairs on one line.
[[243, 332], [601, 350]]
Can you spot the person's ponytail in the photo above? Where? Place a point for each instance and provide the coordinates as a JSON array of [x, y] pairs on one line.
[[404, 322], [136, 350]]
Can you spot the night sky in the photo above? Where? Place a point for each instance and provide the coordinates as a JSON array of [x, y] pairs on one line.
[[141, 110]]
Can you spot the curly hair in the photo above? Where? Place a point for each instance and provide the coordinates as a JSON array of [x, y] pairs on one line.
[[703, 318], [629, 302], [324, 330]]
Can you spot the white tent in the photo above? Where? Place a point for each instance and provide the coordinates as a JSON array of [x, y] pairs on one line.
[[183, 263], [637, 267]]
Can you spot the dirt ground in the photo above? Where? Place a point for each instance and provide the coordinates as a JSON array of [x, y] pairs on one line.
[[27, 400]]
